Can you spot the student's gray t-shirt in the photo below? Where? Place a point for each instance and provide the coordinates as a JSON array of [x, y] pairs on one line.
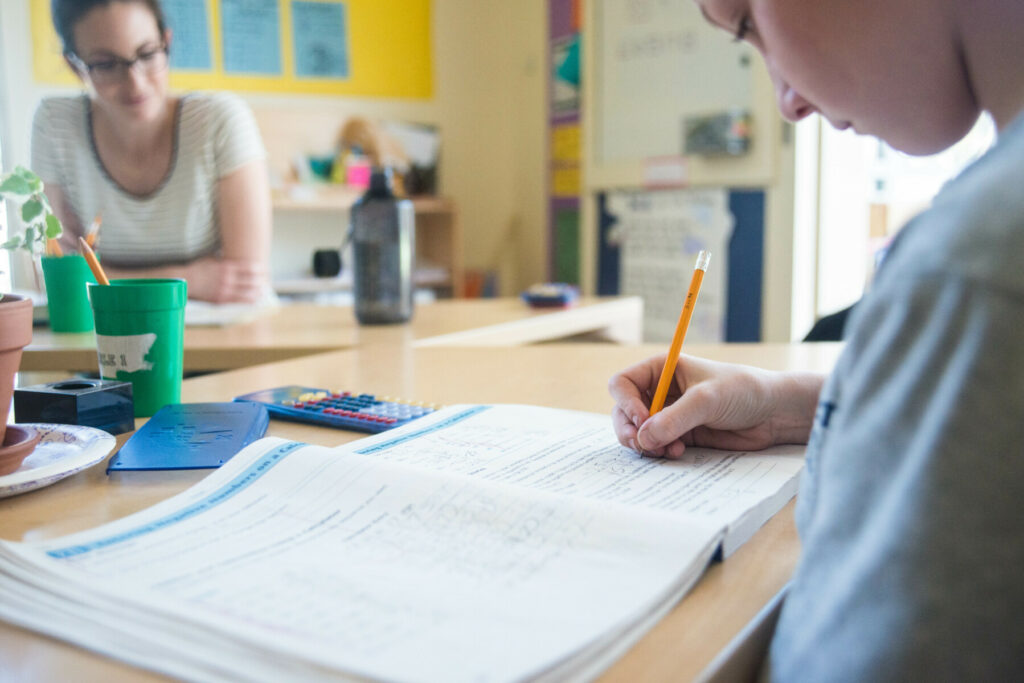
[[911, 508]]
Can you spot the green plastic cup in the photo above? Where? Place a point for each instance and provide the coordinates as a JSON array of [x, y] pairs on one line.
[[140, 327], [66, 297]]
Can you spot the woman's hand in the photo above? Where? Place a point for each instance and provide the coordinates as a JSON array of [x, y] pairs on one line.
[[227, 281], [717, 405], [211, 279]]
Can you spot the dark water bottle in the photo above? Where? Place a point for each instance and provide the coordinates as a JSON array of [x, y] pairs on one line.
[[383, 245]]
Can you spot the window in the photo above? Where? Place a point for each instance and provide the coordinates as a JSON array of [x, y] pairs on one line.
[[5, 257], [866, 192]]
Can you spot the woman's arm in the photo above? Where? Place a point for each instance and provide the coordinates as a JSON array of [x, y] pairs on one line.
[[241, 272], [245, 216]]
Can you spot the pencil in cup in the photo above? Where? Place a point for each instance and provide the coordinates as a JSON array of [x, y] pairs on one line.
[[94, 231], [665, 381], [94, 264]]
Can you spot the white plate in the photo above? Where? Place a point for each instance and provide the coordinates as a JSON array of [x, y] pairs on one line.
[[62, 451]]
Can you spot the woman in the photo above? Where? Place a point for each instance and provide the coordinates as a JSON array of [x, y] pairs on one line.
[[910, 506], [179, 182]]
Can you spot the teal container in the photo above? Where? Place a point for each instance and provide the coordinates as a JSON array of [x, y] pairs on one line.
[[140, 338], [66, 297]]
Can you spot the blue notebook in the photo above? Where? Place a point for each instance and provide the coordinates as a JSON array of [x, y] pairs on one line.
[[191, 436]]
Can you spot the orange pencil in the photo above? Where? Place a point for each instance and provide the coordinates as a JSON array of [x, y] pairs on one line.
[[53, 247], [94, 231], [94, 264], [703, 258]]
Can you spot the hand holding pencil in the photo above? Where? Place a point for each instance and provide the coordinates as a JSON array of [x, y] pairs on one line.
[[666, 403]]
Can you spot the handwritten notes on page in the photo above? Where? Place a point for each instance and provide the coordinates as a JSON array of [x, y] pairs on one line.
[[575, 454], [479, 543]]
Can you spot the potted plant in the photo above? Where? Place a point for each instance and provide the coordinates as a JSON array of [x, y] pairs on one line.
[[26, 189]]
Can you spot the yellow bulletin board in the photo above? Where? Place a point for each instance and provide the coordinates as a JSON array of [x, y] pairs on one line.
[[371, 48]]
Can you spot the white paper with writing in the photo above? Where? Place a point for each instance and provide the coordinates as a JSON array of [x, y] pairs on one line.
[[480, 543]]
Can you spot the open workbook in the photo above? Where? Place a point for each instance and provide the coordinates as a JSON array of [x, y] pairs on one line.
[[479, 543]]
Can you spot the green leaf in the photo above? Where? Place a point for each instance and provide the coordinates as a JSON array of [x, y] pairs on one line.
[[12, 243], [29, 177], [53, 227], [15, 186], [25, 173], [30, 235], [31, 210]]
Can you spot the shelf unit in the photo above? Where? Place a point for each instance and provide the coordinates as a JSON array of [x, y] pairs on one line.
[[439, 264]]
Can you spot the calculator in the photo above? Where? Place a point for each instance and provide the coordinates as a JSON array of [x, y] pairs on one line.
[[338, 409]]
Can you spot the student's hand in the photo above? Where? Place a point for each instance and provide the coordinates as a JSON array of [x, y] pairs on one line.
[[227, 281], [710, 404]]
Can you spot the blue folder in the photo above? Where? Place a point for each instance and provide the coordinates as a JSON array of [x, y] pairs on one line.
[[191, 436]]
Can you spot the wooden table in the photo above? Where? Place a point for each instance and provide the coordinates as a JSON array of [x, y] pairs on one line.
[[558, 375], [303, 329]]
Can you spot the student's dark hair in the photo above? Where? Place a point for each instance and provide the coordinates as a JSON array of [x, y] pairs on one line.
[[67, 13]]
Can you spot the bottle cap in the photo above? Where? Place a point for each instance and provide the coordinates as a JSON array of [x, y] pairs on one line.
[[380, 182]]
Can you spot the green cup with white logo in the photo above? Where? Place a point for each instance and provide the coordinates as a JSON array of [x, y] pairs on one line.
[[140, 337]]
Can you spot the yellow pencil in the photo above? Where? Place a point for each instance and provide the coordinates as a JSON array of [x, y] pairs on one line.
[[703, 258], [94, 230], [94, 264], [53, 248]]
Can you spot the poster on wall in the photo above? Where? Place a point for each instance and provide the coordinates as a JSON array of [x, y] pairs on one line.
[[565, 73], [659, 234], [564, 154], [320, 40], [189, 22], [249, 34], [316, 47]]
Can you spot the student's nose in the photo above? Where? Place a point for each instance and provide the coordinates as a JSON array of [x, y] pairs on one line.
[[792, 104]]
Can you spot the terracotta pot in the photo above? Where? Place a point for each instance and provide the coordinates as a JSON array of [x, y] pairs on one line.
[[18, 443], [15, 334]]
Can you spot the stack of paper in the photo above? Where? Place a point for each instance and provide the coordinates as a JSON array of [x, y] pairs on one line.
[[478, 543], [205, 314]]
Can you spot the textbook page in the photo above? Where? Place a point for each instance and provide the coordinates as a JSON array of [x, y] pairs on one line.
[[576, 453], [312, 563]]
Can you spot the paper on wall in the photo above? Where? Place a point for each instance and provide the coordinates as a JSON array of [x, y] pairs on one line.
[[660, 234]]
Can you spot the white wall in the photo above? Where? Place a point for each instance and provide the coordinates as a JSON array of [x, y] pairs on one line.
[[488, 102], [19, 95]]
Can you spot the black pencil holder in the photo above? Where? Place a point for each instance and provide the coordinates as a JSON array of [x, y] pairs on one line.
[[101, 403]]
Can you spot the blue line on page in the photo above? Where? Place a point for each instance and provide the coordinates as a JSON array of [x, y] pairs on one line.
[[447, 422], [232, 488]]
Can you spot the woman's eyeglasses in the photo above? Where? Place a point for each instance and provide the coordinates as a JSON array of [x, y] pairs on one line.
[[115, 69]]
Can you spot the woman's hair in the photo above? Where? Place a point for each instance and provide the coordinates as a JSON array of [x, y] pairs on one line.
[[67, 13]]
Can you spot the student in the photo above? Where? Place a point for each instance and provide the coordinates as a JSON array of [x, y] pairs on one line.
[[180, 182], [910, 506]]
